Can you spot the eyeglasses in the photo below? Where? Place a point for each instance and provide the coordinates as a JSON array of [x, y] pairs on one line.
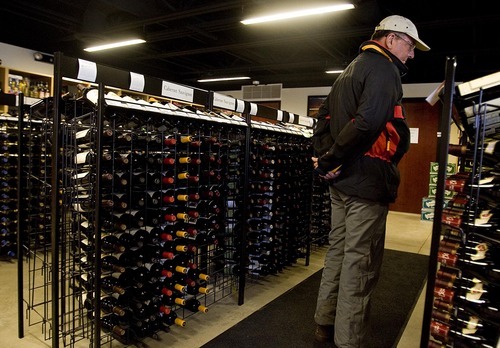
[[410, 44]]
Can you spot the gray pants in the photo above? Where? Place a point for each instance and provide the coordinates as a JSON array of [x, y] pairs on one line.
[[352, 267]]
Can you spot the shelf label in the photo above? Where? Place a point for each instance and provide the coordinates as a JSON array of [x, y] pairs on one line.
[[175, 91], [306, 121], [240, 106], [137, 82], [279, 115], [87, 70], [224, 101], [253, 109]]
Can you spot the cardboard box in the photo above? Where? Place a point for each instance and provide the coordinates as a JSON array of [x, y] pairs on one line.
[[447, 193], [451, 168], [427, 215], [430, 203], [433, 179]]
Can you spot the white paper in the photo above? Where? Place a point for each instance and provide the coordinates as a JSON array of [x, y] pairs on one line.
[[434, 96], [414, 135], [137, 82], [240, 106], [224, 101], [87, 70], [175, 91], [279, 117], [253, 109]]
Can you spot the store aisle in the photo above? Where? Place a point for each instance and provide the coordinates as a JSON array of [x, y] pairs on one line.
[[405, 232]]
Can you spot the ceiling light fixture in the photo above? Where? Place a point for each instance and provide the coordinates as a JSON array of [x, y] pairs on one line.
[[334, 71], [114, 45], [298, 13], [225, 79]]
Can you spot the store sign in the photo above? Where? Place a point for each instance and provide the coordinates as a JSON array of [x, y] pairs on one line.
[[175, 91]]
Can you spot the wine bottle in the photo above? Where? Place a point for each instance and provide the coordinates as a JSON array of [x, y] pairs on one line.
[[108, 283], [490, 150], [170, 285], [194, 305], [120, 201], [178, 245], [197, 289], [109, 304], [142, 276], [172, 319], [110, 323], [121, 179], [463, 327], [128, 258], [139, 179]]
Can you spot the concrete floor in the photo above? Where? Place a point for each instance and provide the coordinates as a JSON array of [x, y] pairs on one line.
[[405, 232]]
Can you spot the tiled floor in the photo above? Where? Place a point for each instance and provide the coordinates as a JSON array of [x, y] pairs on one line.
[[405, 232]]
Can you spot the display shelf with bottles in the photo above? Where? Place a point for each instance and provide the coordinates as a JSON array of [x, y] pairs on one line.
[[9, 180], [142, 196], [462, 300], [33, 86]]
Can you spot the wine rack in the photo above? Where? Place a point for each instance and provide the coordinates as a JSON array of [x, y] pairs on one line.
[[141, 205], [462, 302], [8, 187], [320, 212], [280, 192]]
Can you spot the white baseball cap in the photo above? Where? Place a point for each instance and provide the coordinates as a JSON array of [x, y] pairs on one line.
[[402, 25]]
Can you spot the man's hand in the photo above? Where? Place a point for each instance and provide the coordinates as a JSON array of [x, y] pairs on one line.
[[328, 176]]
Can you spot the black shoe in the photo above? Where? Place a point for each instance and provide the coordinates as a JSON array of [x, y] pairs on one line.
[[324, 333]]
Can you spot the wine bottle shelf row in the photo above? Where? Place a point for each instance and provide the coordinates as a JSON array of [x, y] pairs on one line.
[[147, 210]]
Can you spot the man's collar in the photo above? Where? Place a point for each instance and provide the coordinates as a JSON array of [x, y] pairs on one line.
[[376, 47]]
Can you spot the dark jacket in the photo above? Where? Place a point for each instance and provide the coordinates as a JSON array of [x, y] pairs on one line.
[[361, 103]]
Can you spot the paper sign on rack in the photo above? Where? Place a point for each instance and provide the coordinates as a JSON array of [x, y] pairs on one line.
[[253, 109], [87, 70], [175, 91], [137, 82], [279, 115], [224, 101], [240, 106]]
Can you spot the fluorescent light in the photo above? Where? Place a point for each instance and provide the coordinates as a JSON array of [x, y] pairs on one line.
[[334, 71], [299, 13], [114, 45], [225, 79]]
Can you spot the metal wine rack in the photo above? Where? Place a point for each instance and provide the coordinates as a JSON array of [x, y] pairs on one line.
[[127, 189], [464, 281]]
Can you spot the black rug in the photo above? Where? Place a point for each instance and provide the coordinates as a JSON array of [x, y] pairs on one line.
[[288, 321]]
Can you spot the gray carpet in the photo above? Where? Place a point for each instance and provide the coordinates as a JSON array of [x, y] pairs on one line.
[[288, 320]]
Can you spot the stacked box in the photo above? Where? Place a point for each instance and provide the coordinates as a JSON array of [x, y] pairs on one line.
[[429, 202]]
